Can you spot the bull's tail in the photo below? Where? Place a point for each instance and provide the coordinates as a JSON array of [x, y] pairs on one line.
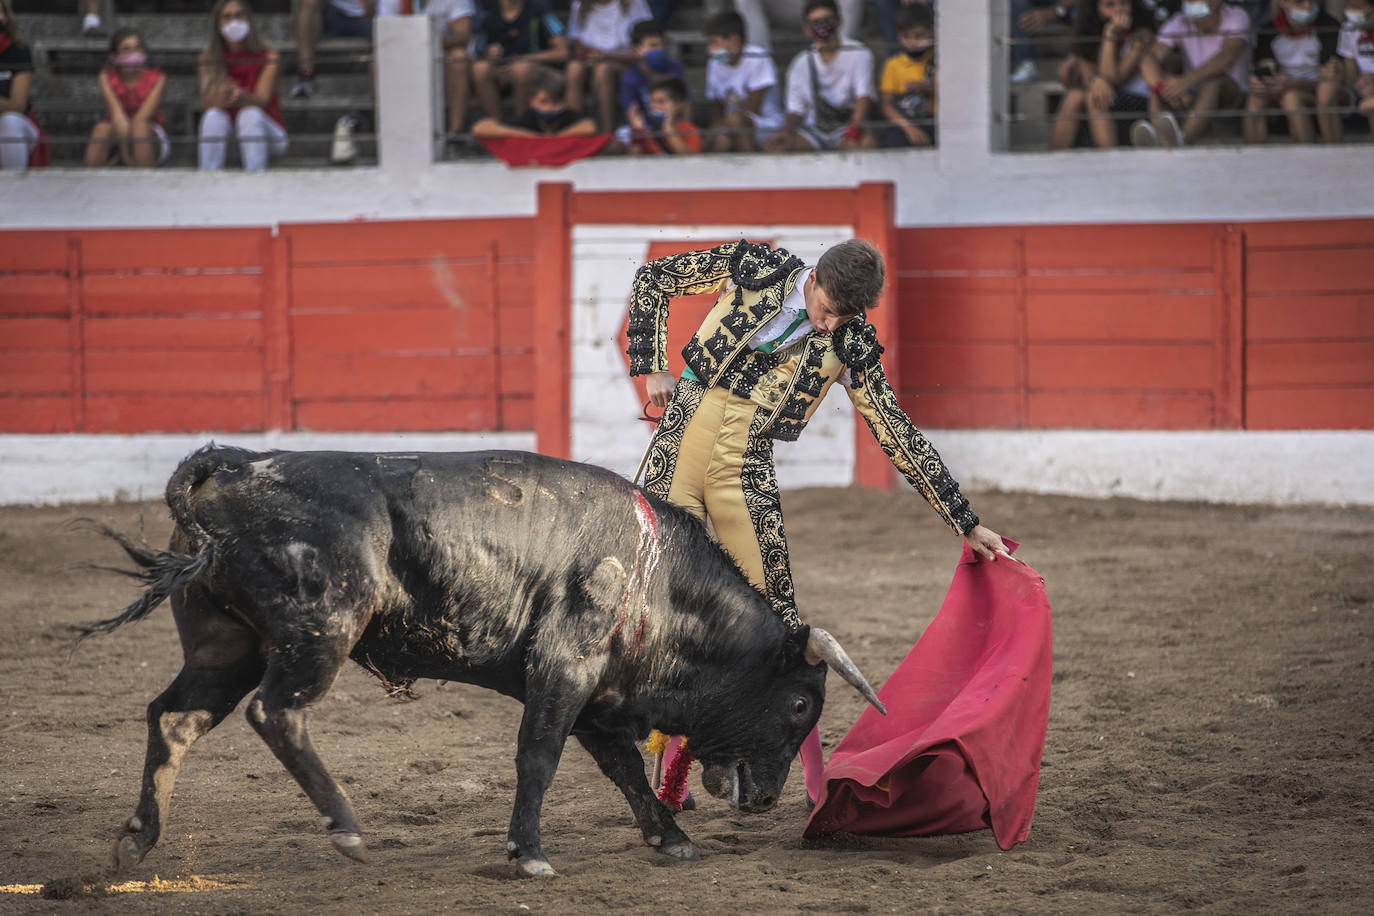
[[166, 571], [162, 571]]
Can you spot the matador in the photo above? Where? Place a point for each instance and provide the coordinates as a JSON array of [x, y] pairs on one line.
[[778, 337]]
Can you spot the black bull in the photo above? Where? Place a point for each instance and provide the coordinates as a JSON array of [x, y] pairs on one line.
[[605, 611]]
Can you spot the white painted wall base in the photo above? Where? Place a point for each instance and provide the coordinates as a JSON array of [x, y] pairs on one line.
[[50, 470], [1279, 468]]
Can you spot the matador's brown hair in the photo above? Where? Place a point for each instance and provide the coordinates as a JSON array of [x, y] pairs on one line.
[[852, 275]]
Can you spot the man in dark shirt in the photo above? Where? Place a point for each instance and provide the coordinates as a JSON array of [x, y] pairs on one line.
[[548, 114], [18, 134], [521, 36]]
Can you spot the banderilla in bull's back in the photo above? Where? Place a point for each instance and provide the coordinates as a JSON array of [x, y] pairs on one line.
[[606, 611]]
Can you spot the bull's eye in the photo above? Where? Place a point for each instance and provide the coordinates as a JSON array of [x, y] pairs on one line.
[[799, 706]]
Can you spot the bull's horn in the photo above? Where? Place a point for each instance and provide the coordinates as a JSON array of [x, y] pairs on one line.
[[822, 647]]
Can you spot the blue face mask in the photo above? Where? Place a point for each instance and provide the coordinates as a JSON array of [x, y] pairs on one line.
[[720, 55], [1301, 16], [548, 117], [1196, 9], [657, 60]]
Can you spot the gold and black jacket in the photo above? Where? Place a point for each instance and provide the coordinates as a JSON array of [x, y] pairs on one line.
[[753, 280]]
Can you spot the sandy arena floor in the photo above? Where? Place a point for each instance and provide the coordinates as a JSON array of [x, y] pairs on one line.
[[1209, 748]]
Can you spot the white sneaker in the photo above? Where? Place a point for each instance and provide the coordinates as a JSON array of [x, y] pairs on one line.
[[1143, 134], [343, 150], [1025, 73], [1170, 134], [90, 25]]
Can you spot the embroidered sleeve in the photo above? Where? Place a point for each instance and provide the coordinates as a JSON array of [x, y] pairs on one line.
[[910, 451], [660, 281]]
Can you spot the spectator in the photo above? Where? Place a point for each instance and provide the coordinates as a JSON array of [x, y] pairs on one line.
[[829, 86], [652, 63], [90, 22], [20, 139], [669, 128], [1290, 53], [601, 50], [907, 86], [521, 37], [757, 14], [1351, 82], [238, 91], [742, 86], [886, 11], [548, 114], [339, 18], [132, 131], [1215, 43], [1029, 18], [1113, 37]]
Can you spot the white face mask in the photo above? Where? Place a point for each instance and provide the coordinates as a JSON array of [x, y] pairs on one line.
[[1196, 9], [235, 30], [1356, 17], [1302, 17]]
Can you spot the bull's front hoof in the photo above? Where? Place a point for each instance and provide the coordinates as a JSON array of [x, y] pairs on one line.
[[350, 844], [127, 853], [534, 868], [684, 851]]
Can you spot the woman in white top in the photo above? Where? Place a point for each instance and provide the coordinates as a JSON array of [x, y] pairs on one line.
[[829, 89], [599, 31]]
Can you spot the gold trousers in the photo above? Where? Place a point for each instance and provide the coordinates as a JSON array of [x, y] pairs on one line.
[[708, 457]]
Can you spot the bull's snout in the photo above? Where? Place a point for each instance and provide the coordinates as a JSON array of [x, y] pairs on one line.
[[735, 785]]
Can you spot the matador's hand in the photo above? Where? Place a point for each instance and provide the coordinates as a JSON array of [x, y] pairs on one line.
[[987, 543], [659, 386]]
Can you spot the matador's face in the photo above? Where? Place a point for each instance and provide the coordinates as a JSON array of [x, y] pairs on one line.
[[819, 307]]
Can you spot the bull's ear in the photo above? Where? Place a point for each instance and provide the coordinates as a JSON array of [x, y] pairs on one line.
[[794, 647]]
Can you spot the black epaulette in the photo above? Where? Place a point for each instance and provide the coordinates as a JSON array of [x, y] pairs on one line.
[[754, 267], [856, 344]]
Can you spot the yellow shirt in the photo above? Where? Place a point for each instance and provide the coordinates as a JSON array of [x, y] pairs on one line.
[[901, 69]]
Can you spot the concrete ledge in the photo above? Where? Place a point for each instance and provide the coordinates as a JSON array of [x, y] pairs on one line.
[[51, 470], [1268, 468]]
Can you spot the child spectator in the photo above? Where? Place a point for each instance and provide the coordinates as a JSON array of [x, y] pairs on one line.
[[1290, 52], [1215, 43], [1030, 17], [829, 86], [742, 86], [652, 63], [132, 131], [1113, 37], [601, 50], [669, 127], [908, 81], [548, 114], [886, 11], [238, 91], [20, 139], [1351, 81], [521, 36]]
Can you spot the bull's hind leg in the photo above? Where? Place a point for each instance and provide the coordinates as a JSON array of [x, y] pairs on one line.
[[221, 666], [277, 713], [622, 764]]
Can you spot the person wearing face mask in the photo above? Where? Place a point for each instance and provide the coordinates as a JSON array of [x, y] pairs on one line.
[[1351, 81], [759, 15], [1112, 37], [829, 88], [21, 140], [132, 132], [1214, 42], [652, 63], [742, 87], [548, 114], [520, 37], [238, 91], [599, 31], [907, 86], [1292, 49]]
